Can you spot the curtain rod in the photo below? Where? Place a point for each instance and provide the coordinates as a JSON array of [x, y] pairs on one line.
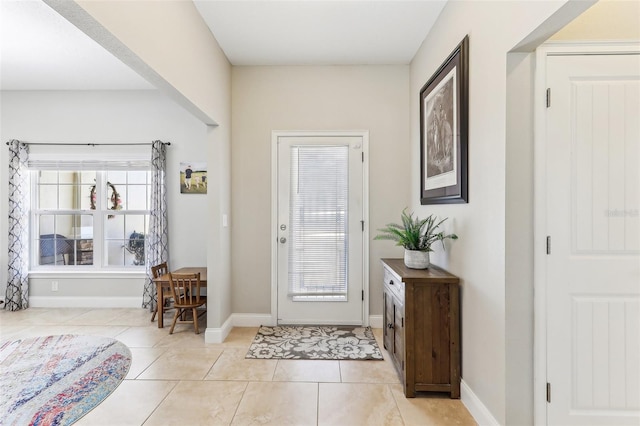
[[88, 144]]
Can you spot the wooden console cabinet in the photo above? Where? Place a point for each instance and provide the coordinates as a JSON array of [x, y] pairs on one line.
[[422, 327]]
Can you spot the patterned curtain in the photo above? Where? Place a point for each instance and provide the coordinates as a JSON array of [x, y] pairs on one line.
[[17, 294], [157, 250]]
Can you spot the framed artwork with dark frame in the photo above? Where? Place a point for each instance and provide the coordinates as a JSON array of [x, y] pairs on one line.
[[444, 124]]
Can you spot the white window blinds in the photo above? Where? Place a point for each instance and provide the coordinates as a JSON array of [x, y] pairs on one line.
[[318, 224], [54, 157]]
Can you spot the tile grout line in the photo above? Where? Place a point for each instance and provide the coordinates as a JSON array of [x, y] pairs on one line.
[[161, 401], [235, 412], [211, 368], [395, 400], [318, 405], [273, 375]]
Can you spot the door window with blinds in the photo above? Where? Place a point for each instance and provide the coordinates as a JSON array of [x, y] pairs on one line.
[[318, 233], [89, 219]]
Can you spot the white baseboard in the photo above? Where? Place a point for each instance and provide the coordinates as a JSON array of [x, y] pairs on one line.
[[212, 335], [375, 321], [217, 335], [478, 410], [256, 320], [251, 320], [85, 302]]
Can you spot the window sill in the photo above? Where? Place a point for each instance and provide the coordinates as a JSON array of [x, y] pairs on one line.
[[41, 273]]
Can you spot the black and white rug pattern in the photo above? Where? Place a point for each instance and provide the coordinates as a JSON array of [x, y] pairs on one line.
[[315, 342]]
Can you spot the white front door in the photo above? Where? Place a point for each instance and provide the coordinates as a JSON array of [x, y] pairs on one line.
[[320, 230], [593, 269]]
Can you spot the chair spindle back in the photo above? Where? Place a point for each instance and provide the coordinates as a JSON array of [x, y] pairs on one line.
[[185, 288], [159, 270]]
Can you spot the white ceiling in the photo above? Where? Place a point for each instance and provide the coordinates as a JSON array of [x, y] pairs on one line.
[[320, 32], [40, 50]]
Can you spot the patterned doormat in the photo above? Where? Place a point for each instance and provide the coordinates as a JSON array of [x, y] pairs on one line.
[[55, 380], [315, 342]]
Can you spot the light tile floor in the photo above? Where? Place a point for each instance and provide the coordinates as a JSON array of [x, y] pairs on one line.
[[179, 380]]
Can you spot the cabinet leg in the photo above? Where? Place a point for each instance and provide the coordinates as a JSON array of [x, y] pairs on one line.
[[409, 392], [455, 391]]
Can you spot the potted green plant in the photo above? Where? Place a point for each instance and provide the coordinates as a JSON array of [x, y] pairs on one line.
[[416, 236]]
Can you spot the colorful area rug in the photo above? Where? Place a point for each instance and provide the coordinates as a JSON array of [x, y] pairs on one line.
[[315, 342], [55, 380]]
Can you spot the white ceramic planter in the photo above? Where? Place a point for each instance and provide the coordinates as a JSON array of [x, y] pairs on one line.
[[416, 259]]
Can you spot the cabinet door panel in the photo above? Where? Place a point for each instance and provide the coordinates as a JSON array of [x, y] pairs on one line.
[[388, 319], [398, 333]]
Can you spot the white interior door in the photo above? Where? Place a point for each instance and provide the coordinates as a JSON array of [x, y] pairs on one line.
[[593, 269], [320, 230]]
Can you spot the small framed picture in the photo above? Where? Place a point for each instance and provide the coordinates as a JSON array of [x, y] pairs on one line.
[[193, 177], [444, 125]]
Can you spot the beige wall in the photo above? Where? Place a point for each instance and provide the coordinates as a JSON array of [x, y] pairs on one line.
[[478, 257], [184, 53], [373, 98], [605, 20], [519, 239]]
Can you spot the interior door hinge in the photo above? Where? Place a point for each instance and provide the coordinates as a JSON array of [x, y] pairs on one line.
[[402, 320], [548, 244], [548, 97], [363, 295], [363, 156], [548, 392], [362, 223]]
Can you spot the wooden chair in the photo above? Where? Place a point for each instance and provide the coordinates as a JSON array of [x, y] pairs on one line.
[[157, 271], [185, 290]]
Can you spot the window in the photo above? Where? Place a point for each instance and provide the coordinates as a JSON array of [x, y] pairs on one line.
[[89, 219], [318, 223]]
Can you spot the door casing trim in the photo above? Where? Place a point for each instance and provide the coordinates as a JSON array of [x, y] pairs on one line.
[[540, 202], [275, 134]]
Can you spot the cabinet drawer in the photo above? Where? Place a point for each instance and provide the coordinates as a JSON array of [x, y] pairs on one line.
[[394, 284]]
